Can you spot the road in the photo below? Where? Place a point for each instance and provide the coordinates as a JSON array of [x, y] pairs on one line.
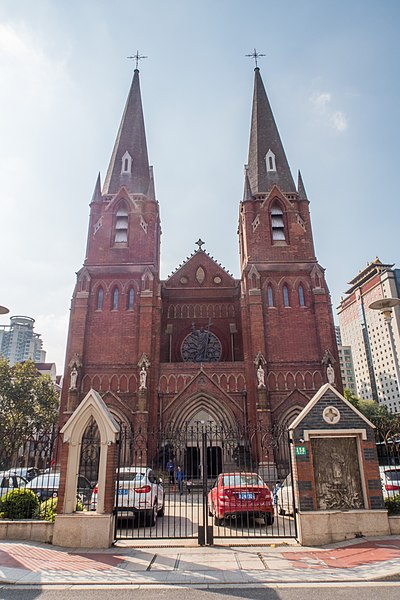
[[356, 591]]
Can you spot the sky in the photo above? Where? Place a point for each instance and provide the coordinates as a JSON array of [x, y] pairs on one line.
[[332, 73]]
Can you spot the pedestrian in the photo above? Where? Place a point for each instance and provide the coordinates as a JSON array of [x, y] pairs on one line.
[[275, 491], [180, 478], [171, 468], [189, 484]]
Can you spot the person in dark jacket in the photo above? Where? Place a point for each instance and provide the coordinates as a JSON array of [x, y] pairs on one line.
[[180, 478]]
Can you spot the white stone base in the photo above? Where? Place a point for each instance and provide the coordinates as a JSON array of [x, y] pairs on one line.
[[316, 528], [34, 531], [84, 530]]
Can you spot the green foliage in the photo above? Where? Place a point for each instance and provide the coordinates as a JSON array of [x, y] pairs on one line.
[[28, 405], [19, 504], [48, 509], [387, 424], [393, 504]]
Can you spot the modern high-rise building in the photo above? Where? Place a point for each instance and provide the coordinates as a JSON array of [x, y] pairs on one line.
[[374, 341], [346, 364], [18, 341], [201, 345]]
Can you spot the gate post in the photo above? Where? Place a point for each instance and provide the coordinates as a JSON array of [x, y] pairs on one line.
[[266, 460], [335, 472], [91, 529]]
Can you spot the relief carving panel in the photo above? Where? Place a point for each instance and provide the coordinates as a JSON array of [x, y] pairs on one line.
[[337, 473]]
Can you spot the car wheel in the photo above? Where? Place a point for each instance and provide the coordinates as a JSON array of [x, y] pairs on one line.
[[269, 519], [210, 511], [161, 511], [281, 510]]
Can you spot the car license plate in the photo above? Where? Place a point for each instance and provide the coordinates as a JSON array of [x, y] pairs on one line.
[[246, 496], [122, 492]]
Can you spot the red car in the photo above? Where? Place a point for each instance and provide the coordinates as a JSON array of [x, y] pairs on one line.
[[238, 494]]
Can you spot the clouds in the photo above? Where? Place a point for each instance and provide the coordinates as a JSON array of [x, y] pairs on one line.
[[322, 106]]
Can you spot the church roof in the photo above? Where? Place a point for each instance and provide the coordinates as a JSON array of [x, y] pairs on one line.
[[203, 260], [264, 137], [130, 144]]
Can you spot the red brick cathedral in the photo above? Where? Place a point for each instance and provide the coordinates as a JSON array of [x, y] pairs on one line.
[[200, 346]]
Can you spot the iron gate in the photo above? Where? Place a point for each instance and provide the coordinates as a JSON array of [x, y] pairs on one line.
[[204, 481]]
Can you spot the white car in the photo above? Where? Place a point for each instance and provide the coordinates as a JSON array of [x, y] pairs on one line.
[[390, 479], [284, 497], [139, 492]]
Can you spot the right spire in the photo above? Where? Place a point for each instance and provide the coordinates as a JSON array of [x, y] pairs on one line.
[[267, 162]]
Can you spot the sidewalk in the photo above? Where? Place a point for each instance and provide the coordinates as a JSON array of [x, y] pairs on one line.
[[24, 563]]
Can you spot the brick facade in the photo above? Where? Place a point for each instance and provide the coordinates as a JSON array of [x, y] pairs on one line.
[[279, 310]]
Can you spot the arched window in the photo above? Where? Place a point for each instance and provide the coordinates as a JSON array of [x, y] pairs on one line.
[[277, 223], [270, 296], [131, 298], [100, 296], [115, 299], [121, 226], [285, 296], [301, 296]]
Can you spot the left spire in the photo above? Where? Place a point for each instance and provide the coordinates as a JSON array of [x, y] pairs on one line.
[[129, 164]]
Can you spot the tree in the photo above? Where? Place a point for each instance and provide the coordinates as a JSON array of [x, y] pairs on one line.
[[387, 423], [28, 407]]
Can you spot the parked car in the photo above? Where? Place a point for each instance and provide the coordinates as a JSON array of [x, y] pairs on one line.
[[47, 485], [27, 473], [10, 481], [238, 494], [284, 497], [390, 479], [139, 492]]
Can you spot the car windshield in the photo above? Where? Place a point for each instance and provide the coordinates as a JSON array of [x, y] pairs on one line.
[[393, 475], [241, 479]]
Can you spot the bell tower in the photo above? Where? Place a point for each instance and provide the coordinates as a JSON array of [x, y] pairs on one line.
[[115, 304], [286, 306]]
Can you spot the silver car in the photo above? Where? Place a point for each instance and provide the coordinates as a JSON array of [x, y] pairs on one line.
[[10, 481], [284, 497]]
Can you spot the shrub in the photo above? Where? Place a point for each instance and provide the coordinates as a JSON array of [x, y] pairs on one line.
[[393, 505], [48, 509], [19, 504]]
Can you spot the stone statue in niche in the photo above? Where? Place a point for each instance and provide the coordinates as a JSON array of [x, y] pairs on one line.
[[337, 473], [74, 378], [260, 377], [143, 378], [330, 373]]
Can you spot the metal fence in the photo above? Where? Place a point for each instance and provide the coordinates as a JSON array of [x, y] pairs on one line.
[[389, 466], [204, 481]]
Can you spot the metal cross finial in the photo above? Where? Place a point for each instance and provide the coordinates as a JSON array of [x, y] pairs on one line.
[[137, 57], [255, 55], [199, 243]]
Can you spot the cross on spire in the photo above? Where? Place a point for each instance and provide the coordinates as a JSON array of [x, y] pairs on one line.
[[136, 57], [255, 55], [200, 243]]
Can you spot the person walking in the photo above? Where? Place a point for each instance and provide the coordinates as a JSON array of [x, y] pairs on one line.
[[170, 469], [180, 478]]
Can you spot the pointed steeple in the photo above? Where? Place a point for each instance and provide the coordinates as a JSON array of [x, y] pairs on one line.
[[301, 189], [97, 190], [129, 164], [267, 163], [247, 195]]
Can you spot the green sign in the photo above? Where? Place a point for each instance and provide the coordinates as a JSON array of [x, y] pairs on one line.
[[301, 450]]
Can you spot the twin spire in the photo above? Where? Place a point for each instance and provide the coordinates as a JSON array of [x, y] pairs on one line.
[[129, 164], [267, 163]]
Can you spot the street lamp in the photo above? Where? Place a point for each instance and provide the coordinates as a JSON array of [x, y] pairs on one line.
[[385, 307]]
